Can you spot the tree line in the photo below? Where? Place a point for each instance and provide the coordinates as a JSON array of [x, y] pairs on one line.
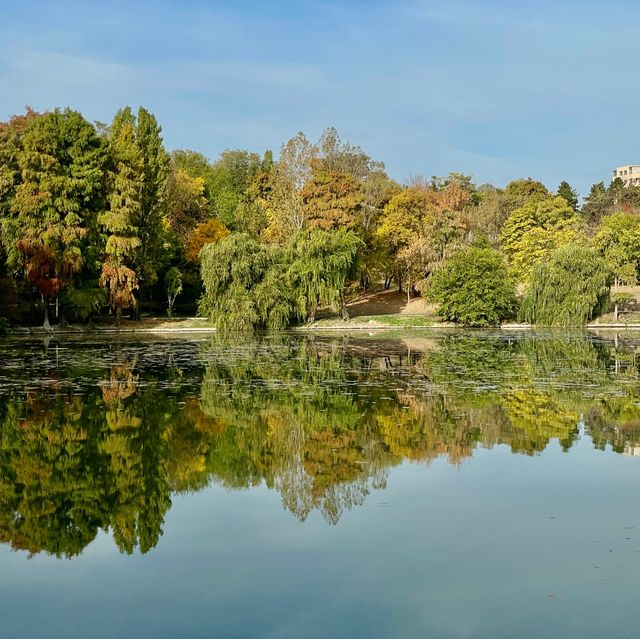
[[101, 219]]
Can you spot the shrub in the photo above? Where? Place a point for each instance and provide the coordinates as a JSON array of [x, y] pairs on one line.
[[473, 288]]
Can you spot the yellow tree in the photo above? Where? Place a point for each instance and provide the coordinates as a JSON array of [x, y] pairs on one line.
[[208, 232], [187, 205], [534, 230]]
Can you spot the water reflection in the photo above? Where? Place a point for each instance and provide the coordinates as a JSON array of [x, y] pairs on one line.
[[100, 436]]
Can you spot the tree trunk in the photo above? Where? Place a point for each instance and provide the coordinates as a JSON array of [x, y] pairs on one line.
[[118, 316], [311, 318], [615, 313], [62, 321], [46, 325], [343, 308]]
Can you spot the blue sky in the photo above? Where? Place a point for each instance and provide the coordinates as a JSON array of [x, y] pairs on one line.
[[496, 89]]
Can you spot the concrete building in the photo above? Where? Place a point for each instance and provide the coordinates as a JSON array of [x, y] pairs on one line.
[[629, 174]]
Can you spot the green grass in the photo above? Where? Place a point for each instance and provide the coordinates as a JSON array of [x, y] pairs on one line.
[[387, 320]]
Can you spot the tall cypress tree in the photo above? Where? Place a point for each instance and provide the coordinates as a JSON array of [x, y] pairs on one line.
[[148, 217], [120, 220], [139, 169]]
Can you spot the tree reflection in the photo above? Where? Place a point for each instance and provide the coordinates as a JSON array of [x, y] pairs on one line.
[[320, 420]]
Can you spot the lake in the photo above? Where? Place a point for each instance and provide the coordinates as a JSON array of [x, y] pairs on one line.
[[427, 484]]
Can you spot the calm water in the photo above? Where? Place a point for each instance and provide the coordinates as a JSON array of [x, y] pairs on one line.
[[427, 485]]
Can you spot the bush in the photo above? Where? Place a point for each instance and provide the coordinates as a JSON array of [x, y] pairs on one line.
[[4, 326], [9, 298], [473, 288], [85, 301], [568, 289]]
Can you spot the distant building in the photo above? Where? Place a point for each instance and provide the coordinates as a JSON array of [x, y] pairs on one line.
[[629, 174]]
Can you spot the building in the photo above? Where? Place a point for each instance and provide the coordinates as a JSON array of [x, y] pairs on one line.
[[629, 174]]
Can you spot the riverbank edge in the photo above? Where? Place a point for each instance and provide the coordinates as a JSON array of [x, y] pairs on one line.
[[339, 326]]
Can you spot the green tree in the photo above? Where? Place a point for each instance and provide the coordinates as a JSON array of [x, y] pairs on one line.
[[231, 175], [569, 194], [135, 221], [399, 229], [11, 148], [519, 192], [568, 289], [336, 156], [473, 288], [377, 189], [490, 214], [603, 201], [252, 213], [618, 241], [148, 218], [420, 227], [86, 300]]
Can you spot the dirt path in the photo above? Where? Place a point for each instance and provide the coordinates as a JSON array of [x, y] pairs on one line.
[[389, 303]]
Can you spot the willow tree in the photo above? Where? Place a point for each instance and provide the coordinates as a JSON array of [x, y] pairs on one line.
[[567, 289], [244, 285], [319, 264]]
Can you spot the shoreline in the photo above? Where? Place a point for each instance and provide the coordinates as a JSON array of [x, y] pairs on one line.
[[338, 326]]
